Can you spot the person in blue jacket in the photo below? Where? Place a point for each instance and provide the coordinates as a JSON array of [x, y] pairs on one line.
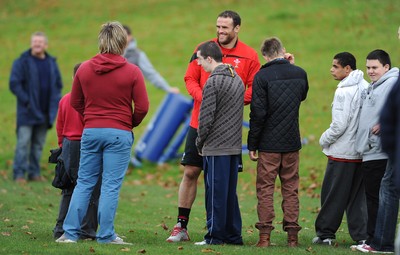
[[36, 82], [390, 139]]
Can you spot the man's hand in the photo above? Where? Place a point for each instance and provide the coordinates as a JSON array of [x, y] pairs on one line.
[[174, 90], [289, 57], [253, 155], [376, 129]]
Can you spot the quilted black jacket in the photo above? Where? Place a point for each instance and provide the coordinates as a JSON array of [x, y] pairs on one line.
[[278, 89]]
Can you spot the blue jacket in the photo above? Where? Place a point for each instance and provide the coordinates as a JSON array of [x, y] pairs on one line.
[[24, 84], [390, 131]]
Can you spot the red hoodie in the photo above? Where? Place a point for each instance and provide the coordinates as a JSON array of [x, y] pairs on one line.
[[103, 90], [69, 122]]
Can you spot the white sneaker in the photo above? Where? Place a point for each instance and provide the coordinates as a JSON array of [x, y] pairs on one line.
[[64, 239], [119, 240], [201, 243], [178, 234], [354, 246], [326, 241]]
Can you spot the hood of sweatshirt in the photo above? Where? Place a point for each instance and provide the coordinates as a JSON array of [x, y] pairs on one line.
[[354, 78], [224, 69], [392, 73], [105, 63]]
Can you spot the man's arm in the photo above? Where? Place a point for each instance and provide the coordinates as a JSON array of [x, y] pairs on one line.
[[140, 99], [192, 79], [388, 120], [151, 74], [254, 68], [17, 80], [207, 114], [341, 116], [258, 114]]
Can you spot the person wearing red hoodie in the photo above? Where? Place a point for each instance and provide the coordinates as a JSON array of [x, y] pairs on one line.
[[111, 95]]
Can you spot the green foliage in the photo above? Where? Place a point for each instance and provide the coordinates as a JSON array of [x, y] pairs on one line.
[[314, 30]]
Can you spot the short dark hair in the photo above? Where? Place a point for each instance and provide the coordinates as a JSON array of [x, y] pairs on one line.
[[233, 15], [346, 59], [380, 55], [210, 49], [127, 29], [272, 47], [76, 67]]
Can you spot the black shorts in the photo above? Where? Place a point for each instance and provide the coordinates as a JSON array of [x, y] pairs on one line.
[[191, 156]]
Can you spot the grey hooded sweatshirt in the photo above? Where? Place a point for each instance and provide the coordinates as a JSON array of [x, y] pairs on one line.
[[221, 113], [339, 139], [136, 56], [374, 97]]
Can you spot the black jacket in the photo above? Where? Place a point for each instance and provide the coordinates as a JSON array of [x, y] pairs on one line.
[[278, 89]]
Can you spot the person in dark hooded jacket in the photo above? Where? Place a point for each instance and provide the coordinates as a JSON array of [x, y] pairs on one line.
[[36, 82], [278, 89]]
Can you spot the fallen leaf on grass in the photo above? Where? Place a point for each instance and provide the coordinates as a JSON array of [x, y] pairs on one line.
[[310, 249], [208, 250], [165, 227], [28, 233], [92, 250], [180, 247], [143, 251], [6, 220], [6, 233], [25, 227], [125, 249]]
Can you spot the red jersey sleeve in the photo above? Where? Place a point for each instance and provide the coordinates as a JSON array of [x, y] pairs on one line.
[[192, 79], [253, 69]]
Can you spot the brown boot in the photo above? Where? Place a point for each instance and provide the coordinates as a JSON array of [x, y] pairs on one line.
[[264, 240], [293, 240]]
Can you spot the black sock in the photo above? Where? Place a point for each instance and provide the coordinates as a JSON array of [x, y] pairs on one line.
[[183, 216]]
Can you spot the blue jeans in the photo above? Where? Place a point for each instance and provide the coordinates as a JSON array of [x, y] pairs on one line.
[[101, 148], [387, 213], [30, 141]]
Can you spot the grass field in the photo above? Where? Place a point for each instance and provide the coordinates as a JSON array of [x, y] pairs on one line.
[[314, 30]]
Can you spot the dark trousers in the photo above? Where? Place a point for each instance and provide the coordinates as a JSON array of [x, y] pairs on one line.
[[70, 155], [224, 222], [342, 191], [373, 173], [388, 211], [89, 224]]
